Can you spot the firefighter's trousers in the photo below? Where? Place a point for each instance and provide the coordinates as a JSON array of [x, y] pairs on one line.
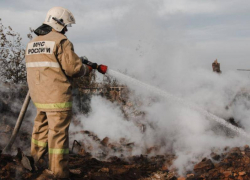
[[50, 134]]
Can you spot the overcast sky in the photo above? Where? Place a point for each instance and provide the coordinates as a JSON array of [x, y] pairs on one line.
[[198, 31]]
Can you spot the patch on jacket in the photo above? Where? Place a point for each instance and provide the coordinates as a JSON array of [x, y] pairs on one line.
[[40, 47]]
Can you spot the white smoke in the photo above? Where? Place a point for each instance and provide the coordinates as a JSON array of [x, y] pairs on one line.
[[107, 124], [159, 54], [174, 127], [177, 126]]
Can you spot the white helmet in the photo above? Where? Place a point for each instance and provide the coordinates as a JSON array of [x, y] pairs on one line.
[[58, 18]]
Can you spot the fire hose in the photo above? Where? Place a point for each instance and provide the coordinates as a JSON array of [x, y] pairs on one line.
[[101, 68]]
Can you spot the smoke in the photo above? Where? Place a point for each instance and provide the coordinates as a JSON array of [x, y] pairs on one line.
[[12, 97], [174, 127], [152, 46], [108, 124]]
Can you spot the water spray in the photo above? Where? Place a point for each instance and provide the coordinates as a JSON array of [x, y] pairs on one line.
[[178, 100]]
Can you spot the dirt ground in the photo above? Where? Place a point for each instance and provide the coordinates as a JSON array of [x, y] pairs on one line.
[[232, 164], [86, 167]]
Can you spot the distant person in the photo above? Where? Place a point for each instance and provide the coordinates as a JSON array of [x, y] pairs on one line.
[[51, 64]]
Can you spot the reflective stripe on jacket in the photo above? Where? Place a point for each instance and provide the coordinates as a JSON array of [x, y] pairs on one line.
[[51, 64]]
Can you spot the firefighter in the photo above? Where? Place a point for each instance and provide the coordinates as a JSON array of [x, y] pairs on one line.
[[51, 64]]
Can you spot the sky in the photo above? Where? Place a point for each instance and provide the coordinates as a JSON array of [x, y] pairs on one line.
[[202, 30]]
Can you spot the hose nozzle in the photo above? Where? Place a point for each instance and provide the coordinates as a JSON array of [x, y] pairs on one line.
[[102, 68]]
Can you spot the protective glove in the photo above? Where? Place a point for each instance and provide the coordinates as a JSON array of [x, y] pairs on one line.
[[89, 63]]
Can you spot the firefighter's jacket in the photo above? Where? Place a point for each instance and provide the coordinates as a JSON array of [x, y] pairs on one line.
[[51, 64]]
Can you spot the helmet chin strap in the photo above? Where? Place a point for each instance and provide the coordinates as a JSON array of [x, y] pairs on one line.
[[64, 30]]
